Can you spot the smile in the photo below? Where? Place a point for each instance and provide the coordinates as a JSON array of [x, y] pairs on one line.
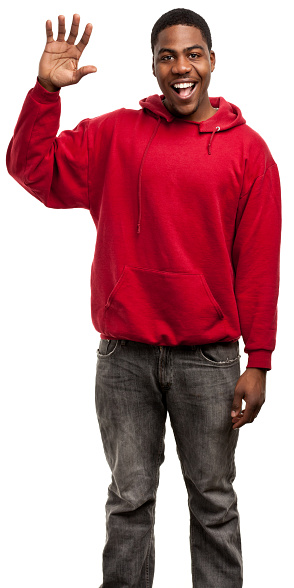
[[184, 90]]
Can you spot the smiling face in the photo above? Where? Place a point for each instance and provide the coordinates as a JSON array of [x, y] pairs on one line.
[[182, 65]]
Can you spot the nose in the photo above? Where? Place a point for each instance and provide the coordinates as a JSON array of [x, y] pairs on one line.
[[181, 66]]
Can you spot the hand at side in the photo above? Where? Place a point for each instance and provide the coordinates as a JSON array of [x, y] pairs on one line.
[[251, 387]]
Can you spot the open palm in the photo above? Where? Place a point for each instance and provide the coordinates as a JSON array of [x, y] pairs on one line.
[[59, 63]]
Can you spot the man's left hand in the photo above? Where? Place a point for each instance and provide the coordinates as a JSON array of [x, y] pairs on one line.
[[251, 387]]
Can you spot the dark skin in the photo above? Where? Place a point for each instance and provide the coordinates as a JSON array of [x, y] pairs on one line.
[[251, 387], [181, 54], [58, 65], [181, 61]]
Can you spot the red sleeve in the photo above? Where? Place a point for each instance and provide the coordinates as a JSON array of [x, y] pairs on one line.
[[256, 258], [53, 169]]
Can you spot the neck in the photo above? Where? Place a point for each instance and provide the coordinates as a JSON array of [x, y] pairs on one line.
[[203, 112]]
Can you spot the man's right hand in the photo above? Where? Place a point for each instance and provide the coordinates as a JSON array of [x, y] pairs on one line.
[[59, 63]]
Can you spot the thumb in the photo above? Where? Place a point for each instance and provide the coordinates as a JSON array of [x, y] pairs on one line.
[[83, 71], [237, 403]]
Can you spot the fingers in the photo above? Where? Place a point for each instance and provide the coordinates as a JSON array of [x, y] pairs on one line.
[[85, 38], [247, 416], [74, 29], [244, 417], [49, 32], [61, 28], [237, 403], [73, 32]]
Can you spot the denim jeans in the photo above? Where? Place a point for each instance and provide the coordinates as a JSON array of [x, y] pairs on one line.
[[136, 384]]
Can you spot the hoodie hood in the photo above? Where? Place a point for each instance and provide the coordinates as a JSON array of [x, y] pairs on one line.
[[227, 116]]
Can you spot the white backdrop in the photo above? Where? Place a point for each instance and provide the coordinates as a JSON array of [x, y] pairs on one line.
[[54, 472]]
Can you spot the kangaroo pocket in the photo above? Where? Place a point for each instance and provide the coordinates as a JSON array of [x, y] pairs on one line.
[[163, 308]]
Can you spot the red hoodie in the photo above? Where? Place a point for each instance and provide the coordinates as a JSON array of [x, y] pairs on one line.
[[188, 218]]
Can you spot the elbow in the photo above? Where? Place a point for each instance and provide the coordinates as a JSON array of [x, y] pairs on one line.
[[14, 164], [9, 159]]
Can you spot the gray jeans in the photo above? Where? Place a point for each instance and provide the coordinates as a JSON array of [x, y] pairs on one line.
[[136, 384]]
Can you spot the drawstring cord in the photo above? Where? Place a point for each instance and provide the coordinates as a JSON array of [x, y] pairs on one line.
[[142, 163], [140, 174], [211, 138]]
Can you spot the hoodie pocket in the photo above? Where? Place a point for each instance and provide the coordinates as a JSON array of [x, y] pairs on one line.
[[163, 307]]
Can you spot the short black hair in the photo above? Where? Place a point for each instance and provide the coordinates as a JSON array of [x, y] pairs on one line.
[[181, 16]]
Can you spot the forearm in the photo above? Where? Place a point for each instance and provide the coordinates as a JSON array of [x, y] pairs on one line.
[[53, 169], [30, 157]]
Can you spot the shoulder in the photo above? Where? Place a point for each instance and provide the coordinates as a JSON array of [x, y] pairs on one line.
[[110, 119], [258, 160], [257, 151]]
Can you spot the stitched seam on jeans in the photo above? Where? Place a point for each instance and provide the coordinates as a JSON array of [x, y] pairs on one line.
[[224, 362], [147, 563], [153, 513], [191, 546]]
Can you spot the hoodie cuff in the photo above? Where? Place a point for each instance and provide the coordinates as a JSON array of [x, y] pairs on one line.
[[260, 359], [39, 94]]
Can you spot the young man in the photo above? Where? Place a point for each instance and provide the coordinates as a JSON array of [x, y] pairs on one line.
[[186, 201]]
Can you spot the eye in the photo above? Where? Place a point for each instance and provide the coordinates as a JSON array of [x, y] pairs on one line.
[[166, 58], [194, 55]]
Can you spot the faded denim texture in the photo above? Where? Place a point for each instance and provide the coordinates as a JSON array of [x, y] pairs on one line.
[[136, 384]]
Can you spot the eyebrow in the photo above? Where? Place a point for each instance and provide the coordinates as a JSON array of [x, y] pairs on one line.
[[164, 49]]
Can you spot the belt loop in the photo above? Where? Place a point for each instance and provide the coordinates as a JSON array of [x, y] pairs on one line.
[[123, 341]]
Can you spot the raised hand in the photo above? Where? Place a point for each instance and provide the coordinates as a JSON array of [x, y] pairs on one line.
[[59, 63]]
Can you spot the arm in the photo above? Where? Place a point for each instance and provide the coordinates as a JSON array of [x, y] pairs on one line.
[[54, 170], [256, 258]]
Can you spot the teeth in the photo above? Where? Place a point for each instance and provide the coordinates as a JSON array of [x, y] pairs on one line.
[[184, 85]]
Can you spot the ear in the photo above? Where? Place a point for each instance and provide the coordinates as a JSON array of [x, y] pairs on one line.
[[153, 67], [212, 60]]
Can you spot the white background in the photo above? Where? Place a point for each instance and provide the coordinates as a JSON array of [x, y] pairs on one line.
[[54, 472]]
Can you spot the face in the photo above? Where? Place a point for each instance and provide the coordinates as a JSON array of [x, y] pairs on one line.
[[182, 65]]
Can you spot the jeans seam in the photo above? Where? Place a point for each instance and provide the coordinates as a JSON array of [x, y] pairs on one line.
[[193, 567], [223, 363], [191, 547], [153, 513]]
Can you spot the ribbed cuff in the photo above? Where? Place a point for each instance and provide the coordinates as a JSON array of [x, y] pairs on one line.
[[39, 94], [260, 359]]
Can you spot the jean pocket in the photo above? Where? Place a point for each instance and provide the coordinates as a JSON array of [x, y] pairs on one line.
[[220, 353], [107, 347]]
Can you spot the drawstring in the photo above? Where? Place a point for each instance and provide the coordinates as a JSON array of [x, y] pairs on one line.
[[140, 174], [142, 163], [211, 138]]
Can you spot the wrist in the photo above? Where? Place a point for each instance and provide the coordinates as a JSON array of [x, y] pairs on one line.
[[264, 370], [47, 85]]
